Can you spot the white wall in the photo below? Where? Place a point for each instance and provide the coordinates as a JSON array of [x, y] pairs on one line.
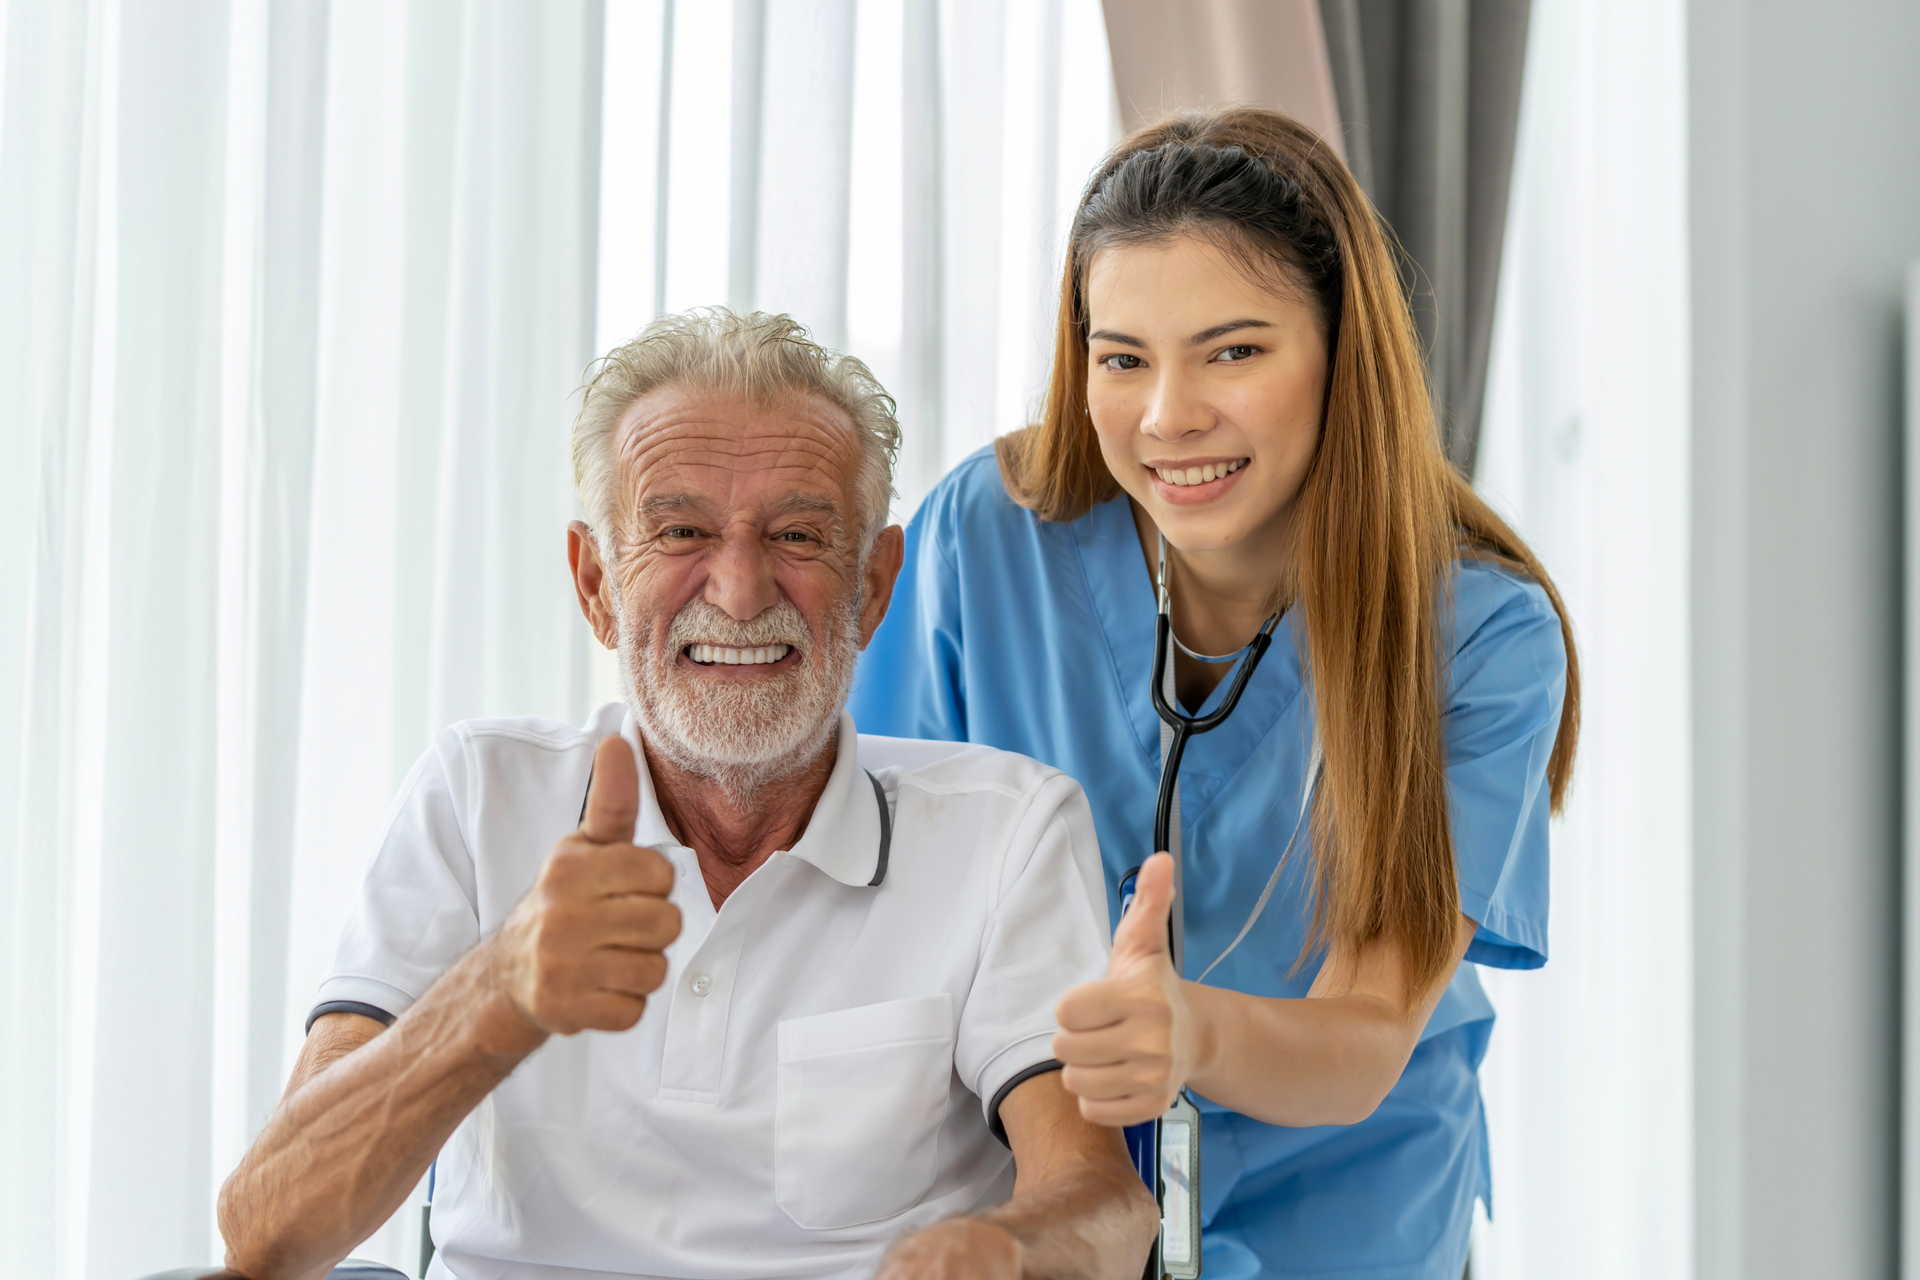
[[1805, 192]]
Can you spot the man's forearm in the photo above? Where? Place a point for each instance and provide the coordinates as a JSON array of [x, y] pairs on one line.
[[346, 1146], [1090, 1223]]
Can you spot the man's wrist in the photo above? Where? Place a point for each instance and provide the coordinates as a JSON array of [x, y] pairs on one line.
[[975, 1239], [500, 1027], [987, 1219], [1014, 1243], [989, 1234]]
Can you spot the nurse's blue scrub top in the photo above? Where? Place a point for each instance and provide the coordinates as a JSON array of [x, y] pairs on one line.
[[1037, 637]]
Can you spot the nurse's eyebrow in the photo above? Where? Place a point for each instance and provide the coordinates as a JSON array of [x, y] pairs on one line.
[[1221, 330], [1205, 335]]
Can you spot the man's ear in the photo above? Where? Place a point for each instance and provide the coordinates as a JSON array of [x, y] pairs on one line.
[[590, 583], [882, 571]]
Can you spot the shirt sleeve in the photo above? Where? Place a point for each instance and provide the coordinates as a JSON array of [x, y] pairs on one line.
[[1046, 934], [909, 684], [417, 910], [1505, 690]]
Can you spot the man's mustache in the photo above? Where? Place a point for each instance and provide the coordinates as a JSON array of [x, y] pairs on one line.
[[701, 622]]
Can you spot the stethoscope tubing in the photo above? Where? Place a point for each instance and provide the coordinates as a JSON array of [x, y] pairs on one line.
[[1185, 726]]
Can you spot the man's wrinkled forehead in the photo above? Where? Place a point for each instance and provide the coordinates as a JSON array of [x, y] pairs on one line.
[[675, 446]]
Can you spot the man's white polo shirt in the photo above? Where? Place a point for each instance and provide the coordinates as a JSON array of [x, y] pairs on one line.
[[813, 1079]]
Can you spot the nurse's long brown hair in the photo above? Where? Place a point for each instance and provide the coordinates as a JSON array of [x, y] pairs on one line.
[[1379, 520]]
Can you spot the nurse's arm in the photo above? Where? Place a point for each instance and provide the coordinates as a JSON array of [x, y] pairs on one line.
[[1330, 1058], [1134, 1039], [1078, 1210]]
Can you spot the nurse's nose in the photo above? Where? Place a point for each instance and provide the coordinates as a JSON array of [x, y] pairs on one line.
[[740, 577], [1175, 410]]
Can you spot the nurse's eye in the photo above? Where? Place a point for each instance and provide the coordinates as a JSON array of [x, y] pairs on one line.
[[1234, 355], [1121, 361]]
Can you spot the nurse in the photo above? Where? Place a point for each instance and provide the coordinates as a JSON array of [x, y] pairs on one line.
[[1236, 371]]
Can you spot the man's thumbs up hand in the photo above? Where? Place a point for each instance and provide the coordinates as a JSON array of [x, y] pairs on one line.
[[613, 797], [585, 947], [1126, 1040]]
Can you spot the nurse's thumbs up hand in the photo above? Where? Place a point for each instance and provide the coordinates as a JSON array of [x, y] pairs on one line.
[[1143, 943], [1127, 1039], [584, 948]]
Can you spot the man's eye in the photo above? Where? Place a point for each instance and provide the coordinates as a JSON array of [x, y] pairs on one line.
[[1234, 355], [1120, 361], [793, 535], [682, 531]]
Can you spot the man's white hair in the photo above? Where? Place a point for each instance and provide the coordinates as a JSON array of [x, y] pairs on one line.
[[759, 357]]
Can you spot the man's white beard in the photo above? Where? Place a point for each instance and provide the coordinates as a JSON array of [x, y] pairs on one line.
[[743, 735]]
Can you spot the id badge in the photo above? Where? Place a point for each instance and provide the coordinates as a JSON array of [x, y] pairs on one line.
[[1180, 1191], [1166, 1154]]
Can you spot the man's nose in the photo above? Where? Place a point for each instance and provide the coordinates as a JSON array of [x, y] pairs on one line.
[[740, 577], [1175, 409]]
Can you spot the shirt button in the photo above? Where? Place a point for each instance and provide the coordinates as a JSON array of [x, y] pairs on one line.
[[701, 984]]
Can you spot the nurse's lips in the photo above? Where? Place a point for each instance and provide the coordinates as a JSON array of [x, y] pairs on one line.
[[1185, 482]]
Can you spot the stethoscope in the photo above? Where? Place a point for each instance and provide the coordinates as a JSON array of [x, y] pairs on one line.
[[1183, 725], [1166, 1151]]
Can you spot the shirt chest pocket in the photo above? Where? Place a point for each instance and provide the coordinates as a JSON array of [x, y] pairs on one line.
[[861, 1095]]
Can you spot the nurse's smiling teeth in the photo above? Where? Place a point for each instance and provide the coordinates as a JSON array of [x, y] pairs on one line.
[[1200, 475], [712, 654]]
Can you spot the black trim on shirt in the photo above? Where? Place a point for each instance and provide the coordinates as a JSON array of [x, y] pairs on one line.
[[886, 830], [994, 1126], [326, 1007]]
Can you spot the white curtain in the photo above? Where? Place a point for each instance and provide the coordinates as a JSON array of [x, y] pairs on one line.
[[293, 295], [1585, 443], [293, 298], [895, 173]]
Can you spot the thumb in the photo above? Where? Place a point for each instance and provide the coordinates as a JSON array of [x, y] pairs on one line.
[[1142, 935], [613, 797]]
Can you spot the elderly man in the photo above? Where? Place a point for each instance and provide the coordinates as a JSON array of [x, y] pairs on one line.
[[713, 988]]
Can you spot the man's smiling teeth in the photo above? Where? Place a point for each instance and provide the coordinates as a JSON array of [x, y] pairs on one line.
[[1199, 475], [712, 654]]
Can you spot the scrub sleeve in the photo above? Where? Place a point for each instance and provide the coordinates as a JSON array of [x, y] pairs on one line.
[[1037, 637]]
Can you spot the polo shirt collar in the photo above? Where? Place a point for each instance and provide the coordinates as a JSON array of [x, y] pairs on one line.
[[848, 835]]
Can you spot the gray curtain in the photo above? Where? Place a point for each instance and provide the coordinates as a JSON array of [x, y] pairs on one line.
[[1429, 91]]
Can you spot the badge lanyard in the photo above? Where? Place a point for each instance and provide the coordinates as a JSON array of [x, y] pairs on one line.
[[1166, 1151]]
